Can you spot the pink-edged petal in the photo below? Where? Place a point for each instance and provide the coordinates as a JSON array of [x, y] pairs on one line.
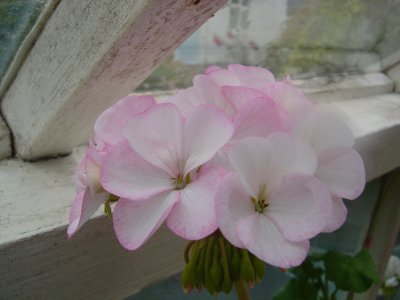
[[338, 215], [156, 135], [261, 161], [110, 123], [299, 206], [342, 170], [290, 97], [185, 100], [205, 131], [126, 174], [223, 77], [210, 93], [262, 238], [83, 207], [322, 130], [251, 76], [240, 95], [93, 177], [135, 222], [259, 117], [231, 204], [250, 158], [211, 68], [193, 216]]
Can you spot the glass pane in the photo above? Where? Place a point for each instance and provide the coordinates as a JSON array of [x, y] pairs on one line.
[[301, 38], [16, 19]]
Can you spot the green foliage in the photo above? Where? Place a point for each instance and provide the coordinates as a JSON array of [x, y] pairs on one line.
[[356, 273], [320, 277]]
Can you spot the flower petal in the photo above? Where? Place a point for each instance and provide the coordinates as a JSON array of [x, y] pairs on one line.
[[193, 216], [299, 206], [223, 77], [210, 93], [240, 95], [322, 130], [156, 135], [126, 174], [231, 204], [109, 125], [83, 207], [259, 117], [338, 215], [205, 131], [251, 76], [262, 238], [135, 222], [342, 170], [186, 100]]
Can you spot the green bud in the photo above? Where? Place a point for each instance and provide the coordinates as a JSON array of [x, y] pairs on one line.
[[235, 264], [107, 209], [215, 269], [258, 266], [207, 281], [246, 268]]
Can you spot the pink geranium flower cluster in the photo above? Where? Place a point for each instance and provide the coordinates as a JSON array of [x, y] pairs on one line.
[[238, 151]]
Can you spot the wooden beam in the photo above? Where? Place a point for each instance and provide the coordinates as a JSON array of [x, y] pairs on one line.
[[90, 54]]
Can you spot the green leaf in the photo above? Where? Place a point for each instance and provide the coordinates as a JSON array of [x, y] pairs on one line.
[[307, 270], [349, 273], [298, 288]]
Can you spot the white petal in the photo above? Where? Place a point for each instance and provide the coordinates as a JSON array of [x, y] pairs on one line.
[[135, 222], [342, 170], [231, 204], [126, 174], [262, 238], [338, 215], [156, 135], [206, 130], [193, 216], [299, 206]]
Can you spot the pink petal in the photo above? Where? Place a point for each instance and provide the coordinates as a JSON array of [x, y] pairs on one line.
[[223, 77], [126, 174], [251, 76], [210, 93], [110, 123], [135, 222], [259, 117], [338, 215], [206, 130], [193, 216], [231, 204], [262, 238], [186, 100], [299, 206], [240, 95], [211, 68], [261, 161], [342, 170], [290, 97], [83, 207], [322, 130], [156, 135]]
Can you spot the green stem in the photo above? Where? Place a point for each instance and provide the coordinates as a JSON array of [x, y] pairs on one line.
[[241, 290]]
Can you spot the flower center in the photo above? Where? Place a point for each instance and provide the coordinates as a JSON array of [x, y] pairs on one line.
[[260, 203], [180, 182]]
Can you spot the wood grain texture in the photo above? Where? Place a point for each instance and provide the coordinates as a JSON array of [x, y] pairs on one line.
[[90, 54], [5, 140], [384, 229]]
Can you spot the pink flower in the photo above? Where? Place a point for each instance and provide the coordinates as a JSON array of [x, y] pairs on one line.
[[340, 167], [159, 173], [273, 205], [107, 132]]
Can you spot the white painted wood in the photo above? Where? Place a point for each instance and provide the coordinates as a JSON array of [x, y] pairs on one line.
[[394, 74], [390, 60], [345, 87], [37, 262], [5, 140], [384, 229], [375, 122], [90, 54]]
